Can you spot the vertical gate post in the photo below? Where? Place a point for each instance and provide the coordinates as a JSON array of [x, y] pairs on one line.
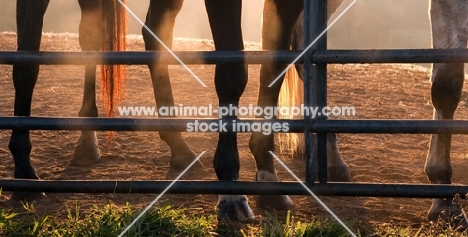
[[315, 87]]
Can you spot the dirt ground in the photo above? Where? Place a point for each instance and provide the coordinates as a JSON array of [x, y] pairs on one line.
[[376, 91]]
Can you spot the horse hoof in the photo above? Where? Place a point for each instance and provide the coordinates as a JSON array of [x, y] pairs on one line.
[[457, 222], [454, 215], [279, 202], [85, 155], [236, 211], [27, 196], [339, 174], [181, 162]]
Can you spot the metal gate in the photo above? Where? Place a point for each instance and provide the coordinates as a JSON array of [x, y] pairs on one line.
[[315, 61]]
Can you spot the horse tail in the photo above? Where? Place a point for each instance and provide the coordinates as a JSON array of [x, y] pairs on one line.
[[113, 76], [291, 95]]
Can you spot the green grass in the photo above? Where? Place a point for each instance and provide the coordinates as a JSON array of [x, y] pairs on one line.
[[111, 220]]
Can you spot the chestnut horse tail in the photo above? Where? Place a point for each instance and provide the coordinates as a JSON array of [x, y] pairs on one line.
[[113, 76]]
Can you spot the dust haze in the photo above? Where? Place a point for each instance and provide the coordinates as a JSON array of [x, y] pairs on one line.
[[368, 24]]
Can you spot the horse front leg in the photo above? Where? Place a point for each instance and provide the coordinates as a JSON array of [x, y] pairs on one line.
[[160, 20], [91, 38], [448, 31], [30, 14], [230, 82]]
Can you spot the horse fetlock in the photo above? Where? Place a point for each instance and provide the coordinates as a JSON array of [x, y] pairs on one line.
[[182, 161], [264, 176], [25, 172], [339, 173], [439, 174], [181, 154], [235, 208]]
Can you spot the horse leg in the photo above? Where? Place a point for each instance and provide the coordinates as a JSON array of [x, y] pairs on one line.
[[91, 36], [448, 31], [160, 19], [230, 81], [279, 18], [30, 14], [337, 168]]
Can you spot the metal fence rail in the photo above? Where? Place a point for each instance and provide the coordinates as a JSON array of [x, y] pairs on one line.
[[295, 125], [235, 187], [226, 57]]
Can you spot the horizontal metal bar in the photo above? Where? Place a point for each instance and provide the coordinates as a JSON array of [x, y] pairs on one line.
[[225, 57], [392, 126], [136, 124], [178, 124], [392, 56], [143, 58], [233, 187]]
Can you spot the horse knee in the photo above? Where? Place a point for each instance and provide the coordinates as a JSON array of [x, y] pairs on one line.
[[20, 142], [447, 84], [230, 82]]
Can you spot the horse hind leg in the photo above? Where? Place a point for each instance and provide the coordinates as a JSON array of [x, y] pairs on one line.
[[91, 39], [337, 169], [448, 31], [87, 150], [279, 18], [160, 20]]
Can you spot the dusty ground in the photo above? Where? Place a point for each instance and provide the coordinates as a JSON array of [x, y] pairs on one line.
[[376, 91]]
